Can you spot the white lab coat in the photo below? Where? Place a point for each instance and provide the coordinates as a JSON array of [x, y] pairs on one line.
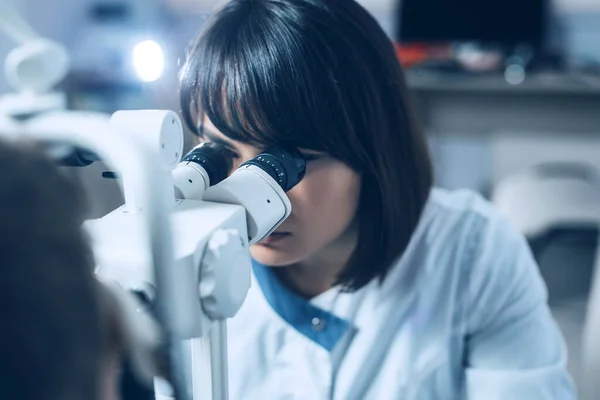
[[462, 315]]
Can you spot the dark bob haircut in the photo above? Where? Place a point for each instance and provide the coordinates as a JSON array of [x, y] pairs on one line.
[[321, 75]]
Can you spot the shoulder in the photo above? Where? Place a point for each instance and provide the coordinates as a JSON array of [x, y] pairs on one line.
[[467, 250], [453, 206], [463, 238], [462, 219]]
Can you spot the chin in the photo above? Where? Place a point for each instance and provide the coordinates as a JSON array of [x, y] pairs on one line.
[[273, 257]]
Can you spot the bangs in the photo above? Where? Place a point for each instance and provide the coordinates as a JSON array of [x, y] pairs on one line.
[[258, 83], [245, 80], [223, 89]]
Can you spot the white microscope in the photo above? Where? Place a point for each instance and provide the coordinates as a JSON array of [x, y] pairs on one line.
[[179, 244], [214, 218]]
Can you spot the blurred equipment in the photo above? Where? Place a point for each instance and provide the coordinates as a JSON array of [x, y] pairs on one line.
[[32, 69], [506, 22], [488, 35], [120, 44], [120, 56]]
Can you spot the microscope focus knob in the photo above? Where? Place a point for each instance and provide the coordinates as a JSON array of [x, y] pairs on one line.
[[224, 274]]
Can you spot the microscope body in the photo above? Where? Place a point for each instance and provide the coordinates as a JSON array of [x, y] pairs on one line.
[[210, 248], [215, 215], [210, 244]]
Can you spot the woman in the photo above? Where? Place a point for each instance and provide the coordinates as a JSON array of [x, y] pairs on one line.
[[377, 286]]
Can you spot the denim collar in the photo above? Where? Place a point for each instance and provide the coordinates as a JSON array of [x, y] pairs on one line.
[[318, 325]]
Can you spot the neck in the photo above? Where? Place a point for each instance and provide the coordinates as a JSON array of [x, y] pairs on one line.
[[307, 280], [319, 273]]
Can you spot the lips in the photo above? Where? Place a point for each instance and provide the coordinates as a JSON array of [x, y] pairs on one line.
[[275, 237]]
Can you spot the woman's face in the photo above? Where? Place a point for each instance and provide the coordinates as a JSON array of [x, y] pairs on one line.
[[324, 205]]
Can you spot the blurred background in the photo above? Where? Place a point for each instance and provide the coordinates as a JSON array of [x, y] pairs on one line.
[[507, 91]]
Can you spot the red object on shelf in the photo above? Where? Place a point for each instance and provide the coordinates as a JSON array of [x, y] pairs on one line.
[[411, 54]]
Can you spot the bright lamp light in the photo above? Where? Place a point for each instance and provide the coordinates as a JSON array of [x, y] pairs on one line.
[[148, 60]]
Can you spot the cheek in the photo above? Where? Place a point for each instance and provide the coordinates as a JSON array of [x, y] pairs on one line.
[[327, 198]]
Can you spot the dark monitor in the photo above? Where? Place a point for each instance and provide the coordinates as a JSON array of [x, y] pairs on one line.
[[505, 22]]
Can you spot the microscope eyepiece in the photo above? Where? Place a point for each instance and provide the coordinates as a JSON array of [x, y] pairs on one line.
[[209, 164], [214, 158], [286, 167]]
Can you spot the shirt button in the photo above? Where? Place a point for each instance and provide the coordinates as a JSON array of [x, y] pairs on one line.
[[318, 324]]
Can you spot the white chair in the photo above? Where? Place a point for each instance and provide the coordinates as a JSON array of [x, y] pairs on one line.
[[551, 195], [550, 202]]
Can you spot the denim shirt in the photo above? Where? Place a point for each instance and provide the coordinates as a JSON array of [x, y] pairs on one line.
[[462, 315]]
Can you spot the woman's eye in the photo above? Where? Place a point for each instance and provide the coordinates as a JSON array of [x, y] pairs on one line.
[[229, 151], [311, 157]]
